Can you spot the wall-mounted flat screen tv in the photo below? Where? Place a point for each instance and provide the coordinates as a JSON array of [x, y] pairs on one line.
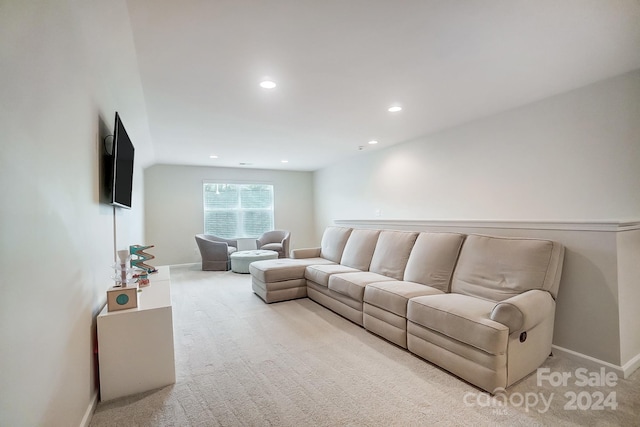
[[122, 166]]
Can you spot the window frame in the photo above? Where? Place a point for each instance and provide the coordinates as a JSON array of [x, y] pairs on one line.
[[240, 232]]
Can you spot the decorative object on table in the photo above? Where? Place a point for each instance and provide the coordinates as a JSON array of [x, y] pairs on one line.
[[142, 278], [123, 271], [138, 251], [122, 298]]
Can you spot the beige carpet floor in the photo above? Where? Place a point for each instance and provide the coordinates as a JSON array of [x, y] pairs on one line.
[[241, 362]]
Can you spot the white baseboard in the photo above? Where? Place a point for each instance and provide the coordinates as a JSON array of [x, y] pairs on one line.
[[622, 371], [86, 420], [631, 366]]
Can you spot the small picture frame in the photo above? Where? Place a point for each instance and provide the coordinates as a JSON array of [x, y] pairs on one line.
[[119, 298]]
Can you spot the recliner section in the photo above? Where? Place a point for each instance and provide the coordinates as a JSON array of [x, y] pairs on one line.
[[462, 302], [428, 271]]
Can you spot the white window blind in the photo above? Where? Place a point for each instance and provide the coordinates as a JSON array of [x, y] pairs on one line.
[[237, 210]]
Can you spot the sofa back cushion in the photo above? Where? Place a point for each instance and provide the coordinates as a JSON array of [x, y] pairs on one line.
[[392, 253], [359, 249], [333, 241], [433, 259], [496, 268]]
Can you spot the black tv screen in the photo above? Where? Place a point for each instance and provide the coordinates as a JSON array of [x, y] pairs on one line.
[[123, 153]]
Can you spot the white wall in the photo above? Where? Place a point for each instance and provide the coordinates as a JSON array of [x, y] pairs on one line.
[[573, 158], [67, 66], [174, 207]]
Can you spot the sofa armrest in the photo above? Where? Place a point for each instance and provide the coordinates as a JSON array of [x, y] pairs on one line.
[[524, 311], [305, 253]]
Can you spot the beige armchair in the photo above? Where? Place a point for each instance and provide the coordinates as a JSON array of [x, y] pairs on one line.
[[275, 240], [215, 252]]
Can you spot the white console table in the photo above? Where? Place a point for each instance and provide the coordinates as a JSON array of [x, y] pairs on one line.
[[135, 346]]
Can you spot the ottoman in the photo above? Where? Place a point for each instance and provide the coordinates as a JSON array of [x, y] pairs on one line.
[[240, 260]]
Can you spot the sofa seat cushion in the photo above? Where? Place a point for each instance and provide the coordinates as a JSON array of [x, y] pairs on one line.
[[320, 273], [353, 284], [393, 296], [278, 270], [462, 318]]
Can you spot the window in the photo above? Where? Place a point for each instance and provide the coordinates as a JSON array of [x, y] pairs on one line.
[[237, 210]]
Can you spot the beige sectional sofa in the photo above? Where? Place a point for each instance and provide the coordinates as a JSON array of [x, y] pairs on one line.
[[481, 307]]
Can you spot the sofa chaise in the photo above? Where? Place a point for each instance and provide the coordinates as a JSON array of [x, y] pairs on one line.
[[481, 307]]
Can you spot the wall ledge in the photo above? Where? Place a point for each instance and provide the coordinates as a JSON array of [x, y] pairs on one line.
[[603, 226]]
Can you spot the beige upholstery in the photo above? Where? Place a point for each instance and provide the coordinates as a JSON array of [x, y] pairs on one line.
[[215, 251], [307, 253], [497, 268], [433, 259], [394, 296], [353, 284], [481, 307], [482, 369], [521, 312], [281, 279], [320, 273], [283, 269], [384, 253], [339, 303], [392, 253], [356, 258], [284, 279], [275, 240], [333, 242], [463, 317], [385, 308], [359, 249], [428, 271], [496, 325]]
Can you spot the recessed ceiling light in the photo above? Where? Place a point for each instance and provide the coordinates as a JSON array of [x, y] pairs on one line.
[[213, 156], [267, 84], [284, 161], [394, 109], [373, 142]]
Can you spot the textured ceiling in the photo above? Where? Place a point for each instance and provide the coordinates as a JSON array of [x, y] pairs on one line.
[[339, 64]]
